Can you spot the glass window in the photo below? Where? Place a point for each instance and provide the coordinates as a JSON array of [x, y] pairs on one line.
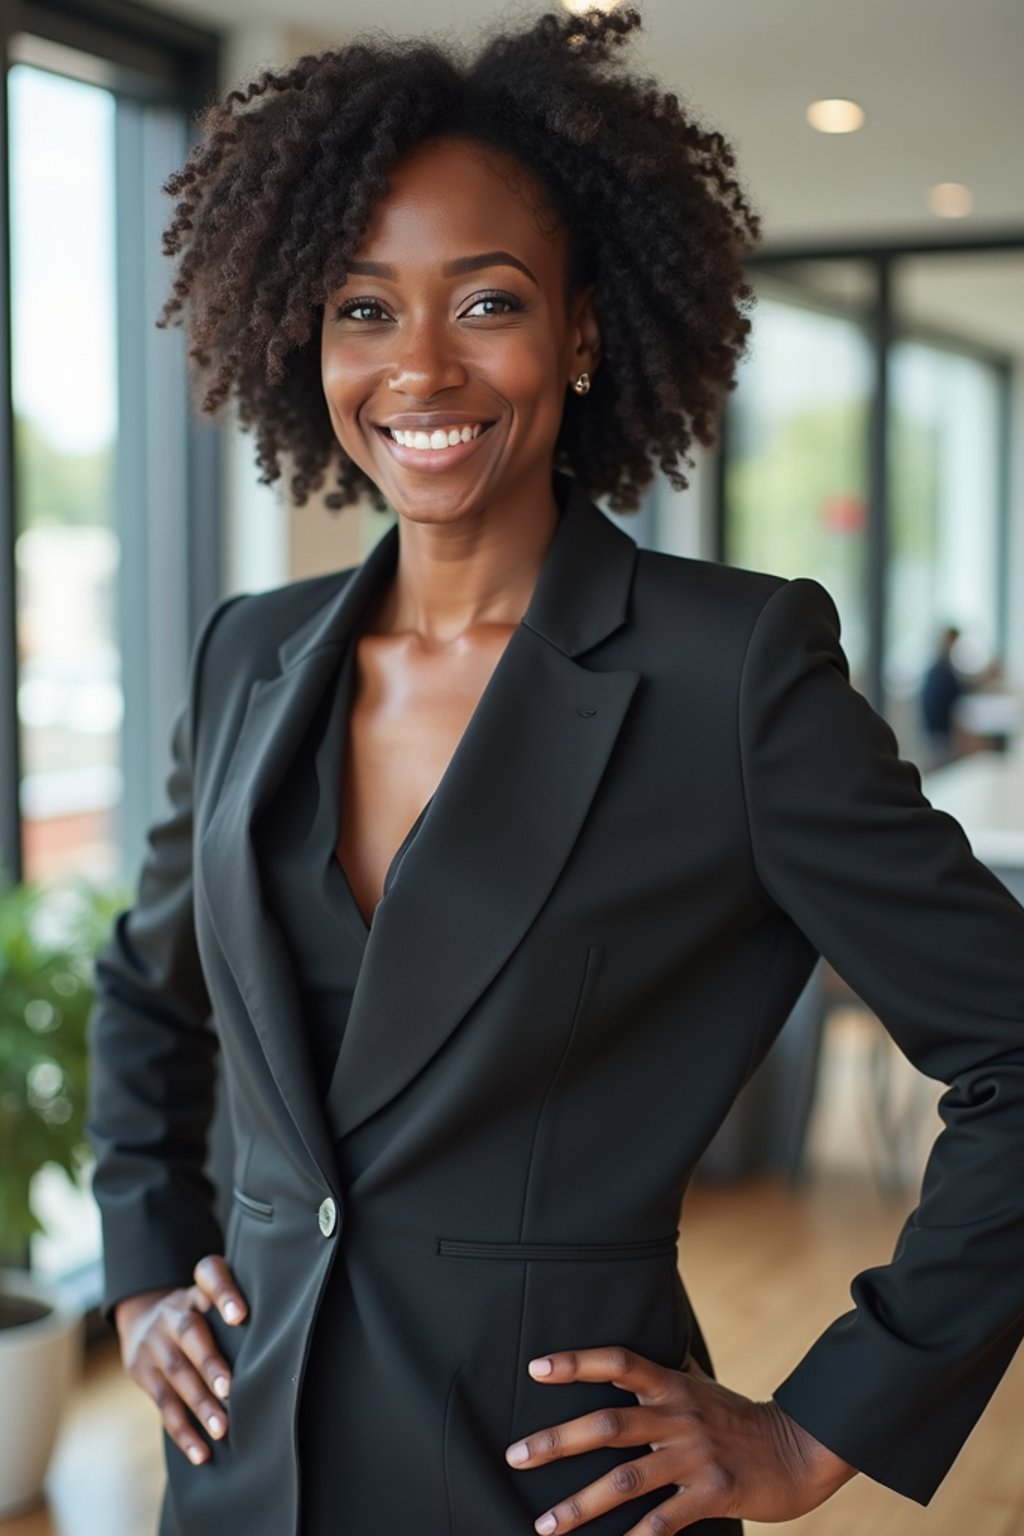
[[947, 489], [943, 506], [65, 424], [796, 487]]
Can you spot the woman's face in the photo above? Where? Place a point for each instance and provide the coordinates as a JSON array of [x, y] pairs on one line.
[[454, 319]]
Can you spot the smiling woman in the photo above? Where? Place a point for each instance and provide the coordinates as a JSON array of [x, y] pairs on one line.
[[281, 211], [498, 860]]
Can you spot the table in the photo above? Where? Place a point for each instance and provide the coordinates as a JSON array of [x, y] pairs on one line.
[[988, 713], [984, 792]]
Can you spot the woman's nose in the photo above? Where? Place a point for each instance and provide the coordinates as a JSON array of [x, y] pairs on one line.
[[426, 361]]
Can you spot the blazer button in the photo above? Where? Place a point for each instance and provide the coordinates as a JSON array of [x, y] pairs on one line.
[[327, 1216]]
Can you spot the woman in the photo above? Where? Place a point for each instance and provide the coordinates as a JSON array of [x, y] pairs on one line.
[[495, 863]]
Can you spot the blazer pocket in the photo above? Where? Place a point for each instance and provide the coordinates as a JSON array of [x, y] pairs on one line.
[[622, 1294], [639, 1248], [262, 1209]]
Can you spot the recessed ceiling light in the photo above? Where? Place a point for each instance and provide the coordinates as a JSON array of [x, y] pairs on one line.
[[834, 114], [950, 199], [581, 7]]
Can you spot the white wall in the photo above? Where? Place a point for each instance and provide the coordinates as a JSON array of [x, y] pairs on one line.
[[684, 520]]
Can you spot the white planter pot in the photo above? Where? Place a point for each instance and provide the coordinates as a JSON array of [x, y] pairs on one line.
[[40, 1360]]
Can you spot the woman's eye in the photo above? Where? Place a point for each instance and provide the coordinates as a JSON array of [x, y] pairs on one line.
[[510, 302], [354, 306], [371, 309]]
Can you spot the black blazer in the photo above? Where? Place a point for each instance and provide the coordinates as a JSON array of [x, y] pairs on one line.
[[668, 801]]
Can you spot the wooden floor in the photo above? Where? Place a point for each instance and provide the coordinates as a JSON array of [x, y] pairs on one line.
[[802, 1251]]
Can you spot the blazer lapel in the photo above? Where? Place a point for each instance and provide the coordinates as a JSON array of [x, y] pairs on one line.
[[502, 823], [278, 712]]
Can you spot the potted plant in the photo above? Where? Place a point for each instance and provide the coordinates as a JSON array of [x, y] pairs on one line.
[[49, 937]]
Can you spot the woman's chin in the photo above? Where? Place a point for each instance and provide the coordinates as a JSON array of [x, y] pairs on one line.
[[437, 498]]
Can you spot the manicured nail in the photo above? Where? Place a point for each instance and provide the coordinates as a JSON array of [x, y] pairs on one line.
[[222, 1386], [518, 1452], [545, 1523], [196, 1455], [215, 1424], [541, 1367], [232, 1311]]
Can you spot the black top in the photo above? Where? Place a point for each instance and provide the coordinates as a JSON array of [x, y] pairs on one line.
[[306, 886]]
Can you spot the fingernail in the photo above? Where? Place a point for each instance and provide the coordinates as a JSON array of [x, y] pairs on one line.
[[545, 1523], [222, 1386], [215, 1423], [232, 1311], [195, 1455], [541, 1367], [518, 1452]]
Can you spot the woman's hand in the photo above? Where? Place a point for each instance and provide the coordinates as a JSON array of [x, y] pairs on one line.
[[730, 1456], [167, 1347]]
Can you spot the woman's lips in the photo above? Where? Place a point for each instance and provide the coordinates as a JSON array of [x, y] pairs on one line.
[[433, 460]]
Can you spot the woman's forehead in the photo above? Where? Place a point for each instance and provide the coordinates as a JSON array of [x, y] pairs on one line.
[[451, 192]]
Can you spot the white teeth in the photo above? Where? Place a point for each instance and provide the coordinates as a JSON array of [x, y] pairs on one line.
[[440, 438]]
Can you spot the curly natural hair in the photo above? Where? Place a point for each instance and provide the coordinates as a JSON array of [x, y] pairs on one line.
[[277, 192]]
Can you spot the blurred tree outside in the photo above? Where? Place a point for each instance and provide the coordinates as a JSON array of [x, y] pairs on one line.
[[57, 487]]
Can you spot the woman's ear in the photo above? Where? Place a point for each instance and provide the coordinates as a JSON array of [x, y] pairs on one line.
[[585, 333]]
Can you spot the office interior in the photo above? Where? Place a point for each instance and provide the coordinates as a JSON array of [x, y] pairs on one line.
[[874, 441]]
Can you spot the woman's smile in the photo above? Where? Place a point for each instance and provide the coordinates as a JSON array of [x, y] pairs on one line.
[[436, 448]]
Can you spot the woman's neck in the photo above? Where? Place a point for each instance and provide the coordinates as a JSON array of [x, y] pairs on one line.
[[452, 576]]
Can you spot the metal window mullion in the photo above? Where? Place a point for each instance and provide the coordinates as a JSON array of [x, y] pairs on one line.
[[1004, 501], [877, 576], [10, 747], [130, 519], [204, 460], [165, 504]]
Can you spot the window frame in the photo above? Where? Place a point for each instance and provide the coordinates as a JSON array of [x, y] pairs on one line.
[[145, 58]]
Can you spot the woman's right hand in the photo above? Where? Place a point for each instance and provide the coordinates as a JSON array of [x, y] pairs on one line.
[[168, 1348]]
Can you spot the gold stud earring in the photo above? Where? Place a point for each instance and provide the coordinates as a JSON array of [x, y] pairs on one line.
[[582, 384]]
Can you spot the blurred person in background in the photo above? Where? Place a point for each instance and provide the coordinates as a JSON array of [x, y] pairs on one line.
[[942, 687]]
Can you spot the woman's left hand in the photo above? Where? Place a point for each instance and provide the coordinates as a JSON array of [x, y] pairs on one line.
[[729, 1455]]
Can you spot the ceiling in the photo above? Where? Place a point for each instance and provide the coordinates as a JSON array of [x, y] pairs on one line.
[[939, 80]]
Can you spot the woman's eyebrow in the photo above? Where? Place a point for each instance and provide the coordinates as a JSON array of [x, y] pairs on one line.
[[488, 259], [451, 268]]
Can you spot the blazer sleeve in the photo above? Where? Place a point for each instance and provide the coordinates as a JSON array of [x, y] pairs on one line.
[[888, 890], [152, 1052]]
